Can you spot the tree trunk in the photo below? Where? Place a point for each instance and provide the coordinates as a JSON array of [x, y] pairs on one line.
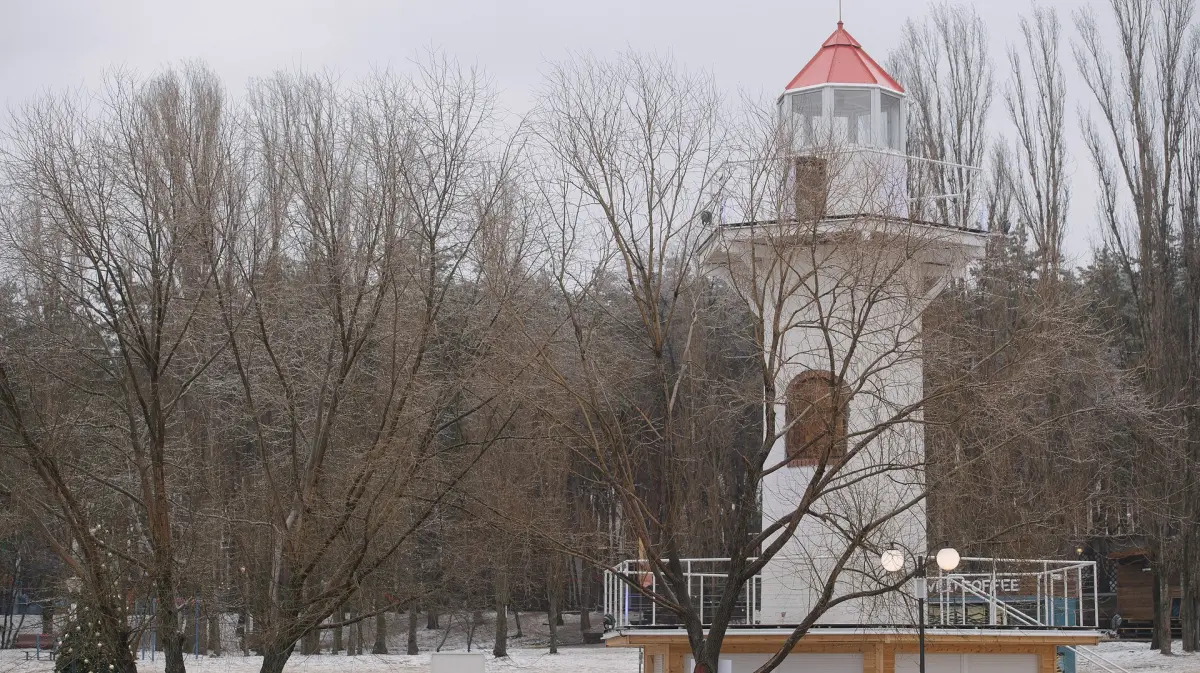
[[585, 601], [187, 633], [1187, 599], [1156, 599], [353, 639], [1187, 618], [470, 633], [243, 624], [358, 638], [214, 633], [275, 658], [431, 619], [1162, 615], [412, 631], [445, 634], [168, 626], [310, 643], [500, 648], [1195, 618], [517, 619], [124, 661], [337, 633], [552, 619], [47, 618], [380, 646]]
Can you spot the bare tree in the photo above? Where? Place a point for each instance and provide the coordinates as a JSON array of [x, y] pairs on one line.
[[1035, 99], [352, 270], [1137, 147], [110, 214], [945, 64]]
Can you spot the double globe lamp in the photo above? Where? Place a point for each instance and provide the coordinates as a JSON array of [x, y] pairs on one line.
[[892, 561]]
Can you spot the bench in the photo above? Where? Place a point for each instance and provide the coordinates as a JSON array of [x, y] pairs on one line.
[[34, 641]]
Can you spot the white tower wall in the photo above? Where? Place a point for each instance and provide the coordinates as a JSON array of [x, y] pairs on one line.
[[874, 345]]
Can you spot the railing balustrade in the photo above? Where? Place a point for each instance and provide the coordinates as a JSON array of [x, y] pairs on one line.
[[981, 592]]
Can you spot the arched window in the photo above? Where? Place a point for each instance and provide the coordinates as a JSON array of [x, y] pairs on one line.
[[819, 407]]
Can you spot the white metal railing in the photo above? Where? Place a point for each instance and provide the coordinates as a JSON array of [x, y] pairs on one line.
[[883, 181], [1098, 660], [706, 578], [980, 592], [997, 592], [1055, 584]]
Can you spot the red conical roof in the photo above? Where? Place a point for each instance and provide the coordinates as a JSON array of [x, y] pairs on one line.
[[842, 60]]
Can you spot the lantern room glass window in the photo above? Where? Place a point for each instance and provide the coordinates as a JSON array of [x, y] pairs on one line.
[[807, 109], [852, 116], [889, 111]]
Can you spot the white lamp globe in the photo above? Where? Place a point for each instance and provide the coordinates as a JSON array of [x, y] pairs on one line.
[[948, 558], [892, 560]]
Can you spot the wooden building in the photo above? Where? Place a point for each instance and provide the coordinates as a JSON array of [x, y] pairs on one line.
[[1134, 595]]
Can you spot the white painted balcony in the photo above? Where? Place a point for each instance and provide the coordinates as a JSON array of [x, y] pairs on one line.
[[843, 182], [706, 578], [1017, 593], [981, 592]]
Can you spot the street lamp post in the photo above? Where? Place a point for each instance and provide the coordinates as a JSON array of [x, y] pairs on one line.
[[922, 591], [892, 561]]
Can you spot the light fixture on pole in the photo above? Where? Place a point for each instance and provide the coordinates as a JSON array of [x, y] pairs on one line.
[[947, 559], [892, 560]]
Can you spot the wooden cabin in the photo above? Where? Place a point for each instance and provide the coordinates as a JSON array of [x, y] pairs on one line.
[[1135, 595]]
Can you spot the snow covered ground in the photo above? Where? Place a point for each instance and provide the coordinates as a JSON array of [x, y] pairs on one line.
[[589, 659], [527, 654], [1139, 657], [1133, 657]]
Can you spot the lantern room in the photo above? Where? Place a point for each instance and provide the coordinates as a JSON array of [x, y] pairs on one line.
[[843, 97]]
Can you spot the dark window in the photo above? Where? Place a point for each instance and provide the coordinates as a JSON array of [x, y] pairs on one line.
[[818, 405]]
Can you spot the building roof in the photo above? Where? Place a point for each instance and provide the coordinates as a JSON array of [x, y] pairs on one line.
[[842, 60]]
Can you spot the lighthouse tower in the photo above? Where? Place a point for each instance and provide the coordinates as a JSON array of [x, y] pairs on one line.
[[827, 236], [849, 274]]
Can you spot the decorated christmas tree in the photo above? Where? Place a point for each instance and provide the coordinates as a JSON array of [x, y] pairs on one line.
[[82, 647]]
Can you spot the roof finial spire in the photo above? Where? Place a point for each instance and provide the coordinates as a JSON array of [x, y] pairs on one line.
[[839, 13]]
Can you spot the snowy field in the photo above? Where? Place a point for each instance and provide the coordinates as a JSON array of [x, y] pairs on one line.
[[527, 654], [1139, 657], [589, 659], [1133, 657]]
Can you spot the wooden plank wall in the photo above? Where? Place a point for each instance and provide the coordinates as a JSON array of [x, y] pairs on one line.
[[1135, 593]]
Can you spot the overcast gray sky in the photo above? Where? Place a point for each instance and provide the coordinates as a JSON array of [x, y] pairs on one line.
[[749, 45]]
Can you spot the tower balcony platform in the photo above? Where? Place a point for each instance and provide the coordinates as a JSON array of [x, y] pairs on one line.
[[841, 182], [982, 593]]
